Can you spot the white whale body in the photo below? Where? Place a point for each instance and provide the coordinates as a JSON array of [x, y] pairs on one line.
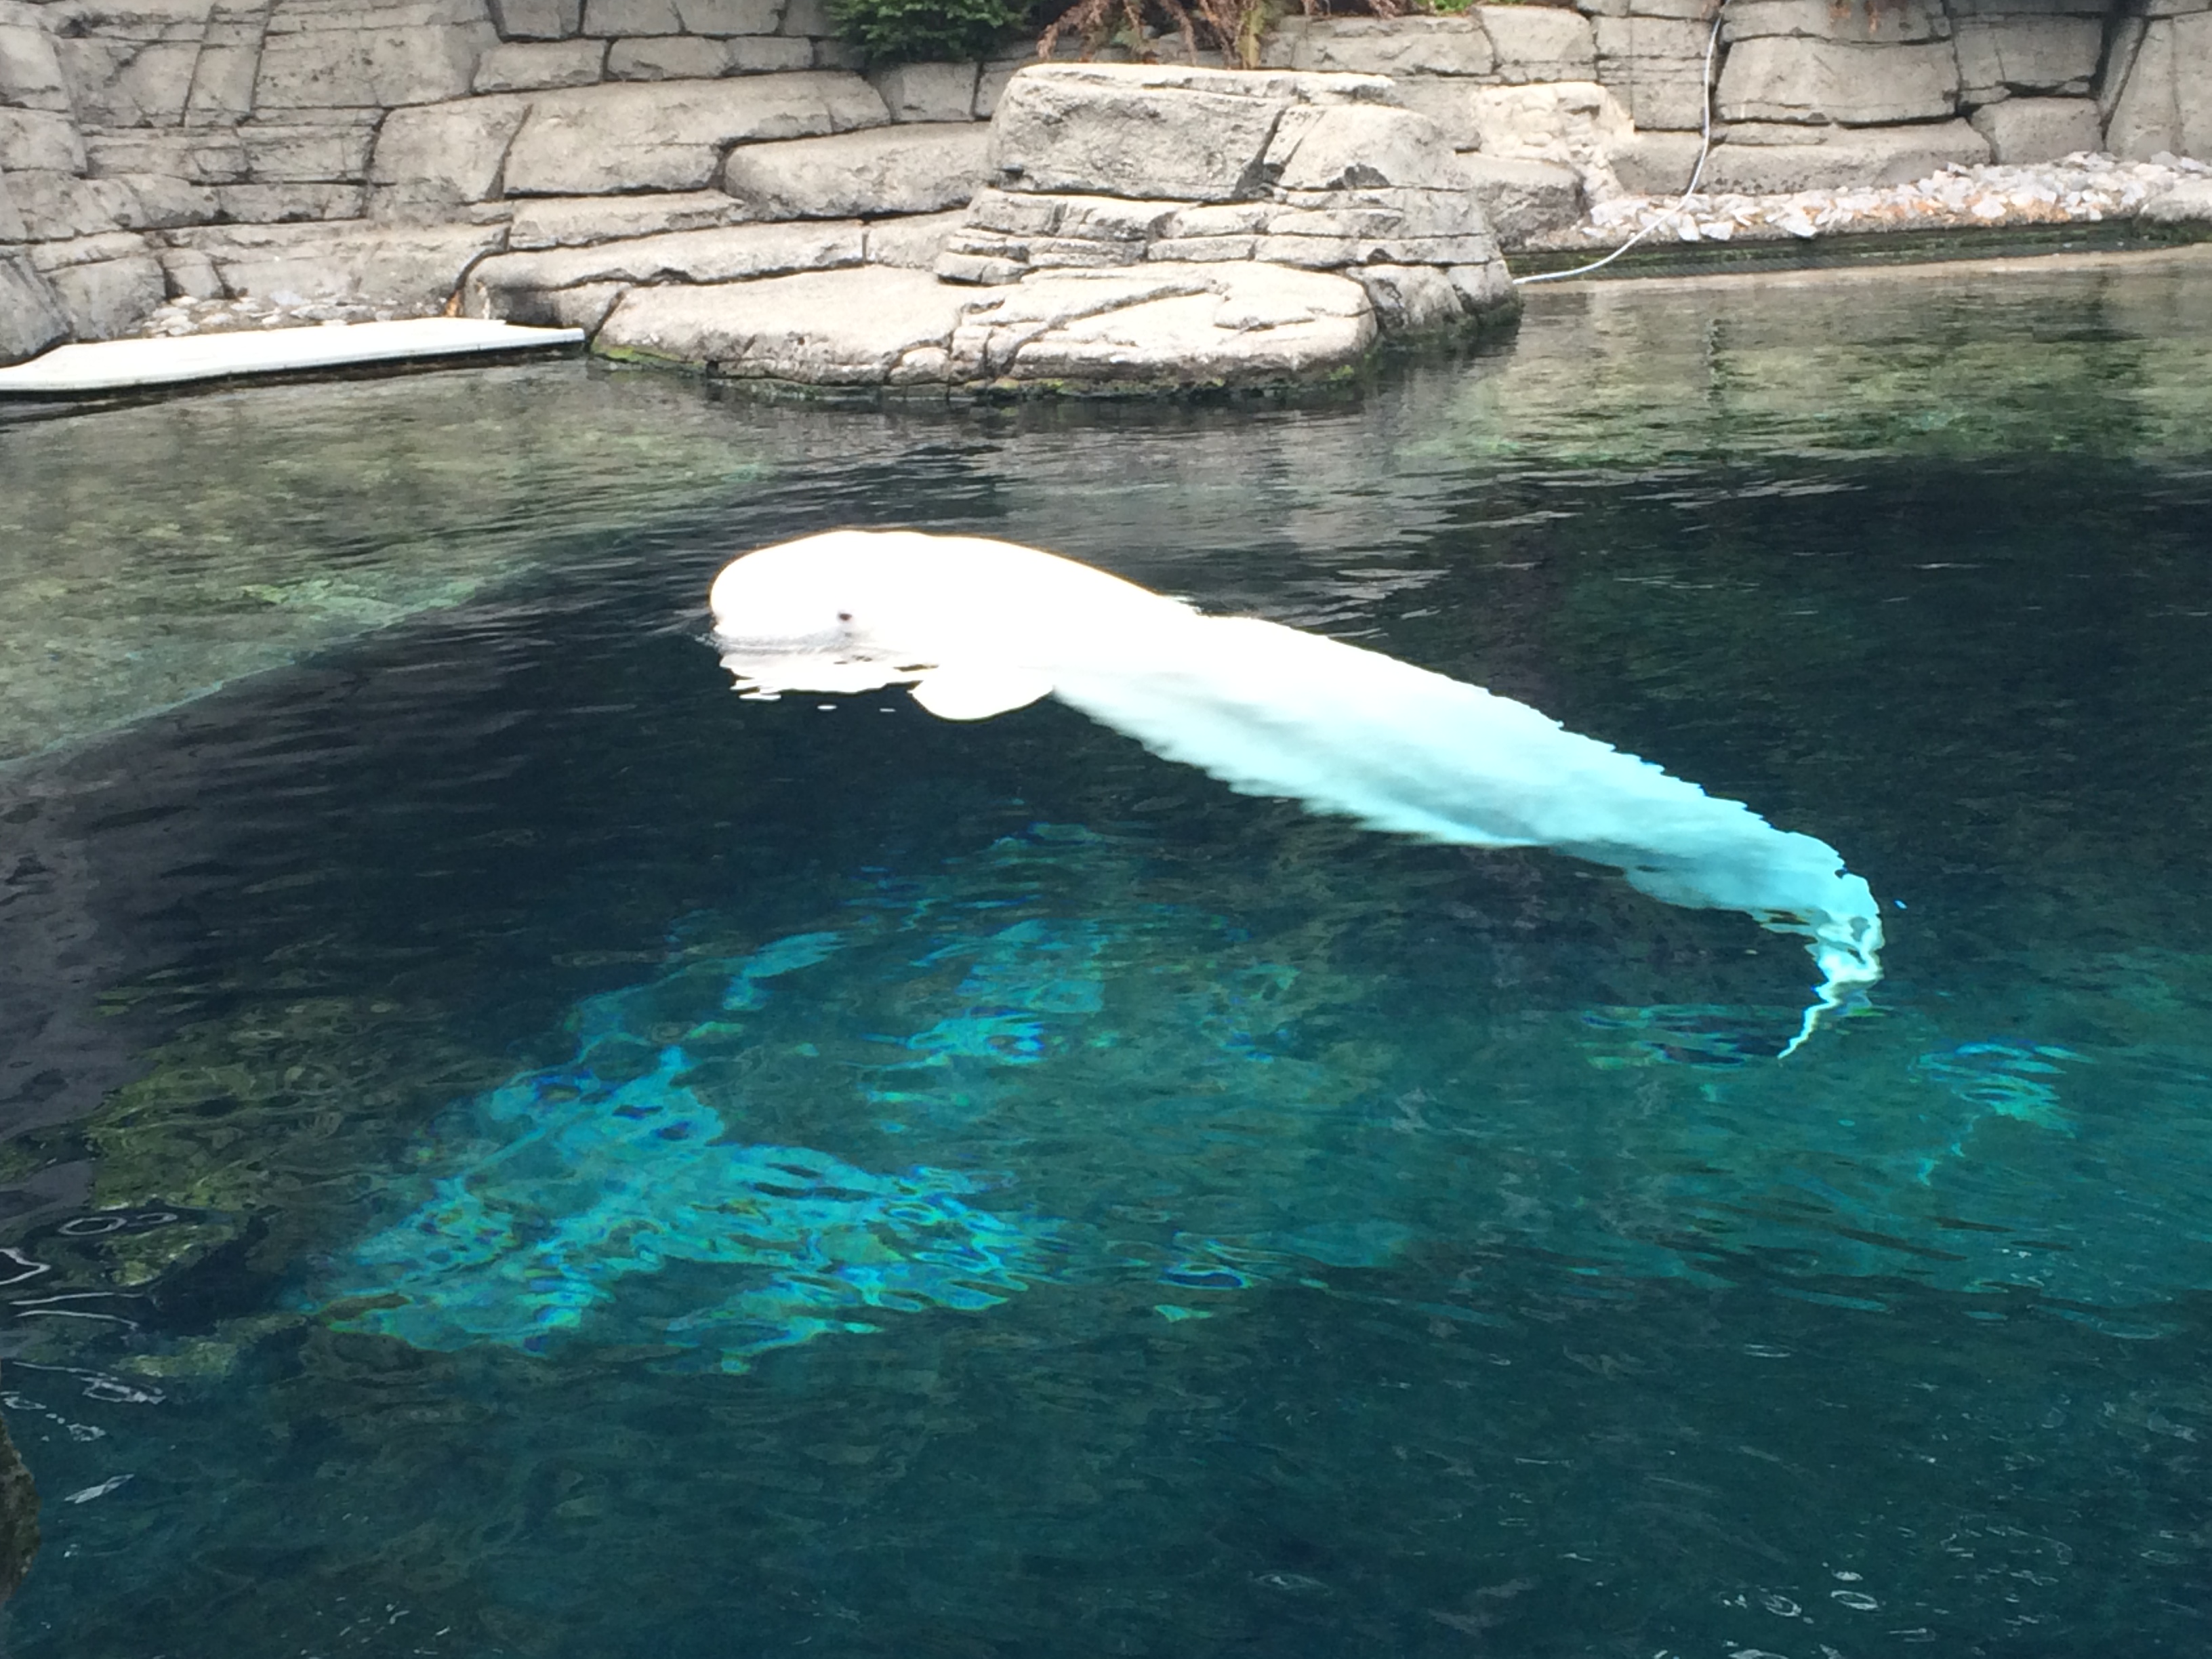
[[980, 627]]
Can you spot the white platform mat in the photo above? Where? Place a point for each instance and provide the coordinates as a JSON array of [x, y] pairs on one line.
[[119, 365]]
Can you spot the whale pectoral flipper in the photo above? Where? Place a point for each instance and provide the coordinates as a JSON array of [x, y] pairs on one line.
[[976, 692]]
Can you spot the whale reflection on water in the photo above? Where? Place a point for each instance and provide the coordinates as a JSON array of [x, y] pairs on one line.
[[978, 628]]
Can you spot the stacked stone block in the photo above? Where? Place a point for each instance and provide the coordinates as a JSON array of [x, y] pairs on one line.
[[1095, 167], [2163, 100]]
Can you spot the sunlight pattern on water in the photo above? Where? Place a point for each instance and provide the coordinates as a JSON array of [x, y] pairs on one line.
[[547, 1192], [1029, 1068], [580, 1175]]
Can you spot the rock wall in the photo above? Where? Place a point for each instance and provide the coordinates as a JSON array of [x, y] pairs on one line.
[[376, 148], [381, 151], [1809, 93]]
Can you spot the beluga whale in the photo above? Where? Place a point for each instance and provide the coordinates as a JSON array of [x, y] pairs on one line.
[[977, 628]]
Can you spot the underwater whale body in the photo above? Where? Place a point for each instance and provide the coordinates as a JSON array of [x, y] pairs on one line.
[[977, 628]]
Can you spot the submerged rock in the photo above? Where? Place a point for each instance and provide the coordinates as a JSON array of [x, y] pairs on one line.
[[19, 1517]]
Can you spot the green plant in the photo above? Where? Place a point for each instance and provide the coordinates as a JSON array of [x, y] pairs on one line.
[[909, 31]]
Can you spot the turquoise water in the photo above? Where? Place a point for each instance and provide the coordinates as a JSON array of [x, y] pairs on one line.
[[518, 1151]]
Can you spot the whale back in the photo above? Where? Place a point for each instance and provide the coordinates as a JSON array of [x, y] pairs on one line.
[[981, 627]]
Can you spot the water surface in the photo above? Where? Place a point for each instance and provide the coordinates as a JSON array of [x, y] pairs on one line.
[[515, 1150]]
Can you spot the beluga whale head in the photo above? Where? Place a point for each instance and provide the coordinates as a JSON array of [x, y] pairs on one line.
[[978, 626]]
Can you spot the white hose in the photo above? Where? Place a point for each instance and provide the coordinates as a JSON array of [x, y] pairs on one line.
[[1705, 149]]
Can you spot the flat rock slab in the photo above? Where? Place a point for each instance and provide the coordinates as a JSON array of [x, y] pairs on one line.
[[672, 136], [1166, 327], [120, 365], [1153, 131], [413, 266], [853, 327], [1162, 327], [910, 168]]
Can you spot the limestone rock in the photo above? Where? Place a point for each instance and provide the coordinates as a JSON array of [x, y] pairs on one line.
[[206, 156], [1010, 233], [594, 140], [1539, 43], [53, 206], [2189, 201], [1444, 102], [1485, 292], [431, 160], [729, 17], [1774, 78], [1410, 299], [191, 274], [811, 18], [2166, 101], [31, 318], [1351, 146], [1892, 22], [691, 57], [1571, 123], [1146, 131], [165, 203], [901, 169], [579, 221], [511, 285], [1829, 158], [320, 152], [407, 266], [912, 242], [30, 70], [31, 138], [680, 58], [1165, 326], [608, 18], [290, 204], [1523, 200], [927, 92], [537, 20], [412, 54], [1335, 177], [997, 74], [2030, 130], [867, 326], [585, 305], [531, 66], [1396, 46], [127, 83], [103, 285], [1655, 65], [228, 63], [2027, 54]]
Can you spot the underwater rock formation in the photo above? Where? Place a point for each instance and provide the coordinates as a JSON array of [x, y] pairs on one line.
[[19, 1516], [1042, 1069]]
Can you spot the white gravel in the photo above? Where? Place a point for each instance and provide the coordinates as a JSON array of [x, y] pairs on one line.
[[2083, 189]]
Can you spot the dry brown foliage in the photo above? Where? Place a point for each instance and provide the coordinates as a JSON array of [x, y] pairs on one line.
[[1234, 27]]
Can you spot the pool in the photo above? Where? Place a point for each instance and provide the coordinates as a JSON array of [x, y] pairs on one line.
[[518, 1151]]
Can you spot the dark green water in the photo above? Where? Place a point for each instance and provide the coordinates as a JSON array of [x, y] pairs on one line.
[[516, 1150]]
